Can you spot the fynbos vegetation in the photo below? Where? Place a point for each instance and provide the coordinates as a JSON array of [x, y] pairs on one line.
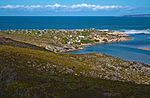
[[27, 70]]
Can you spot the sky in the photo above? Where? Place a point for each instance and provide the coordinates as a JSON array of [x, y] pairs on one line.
[[73, 7]]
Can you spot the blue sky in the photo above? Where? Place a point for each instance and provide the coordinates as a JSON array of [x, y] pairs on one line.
[[73, 7]]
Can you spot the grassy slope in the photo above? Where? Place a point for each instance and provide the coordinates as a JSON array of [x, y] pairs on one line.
[[27, 72], [11, 42], [31, 39]]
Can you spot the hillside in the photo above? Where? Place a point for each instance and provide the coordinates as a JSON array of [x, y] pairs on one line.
[[11, 42], [32, 65], [35, 73]]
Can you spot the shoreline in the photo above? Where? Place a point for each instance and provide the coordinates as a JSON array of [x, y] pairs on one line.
[[92, 44], [145, 48]]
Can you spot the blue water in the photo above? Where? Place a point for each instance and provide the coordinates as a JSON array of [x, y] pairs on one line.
[[45, 22], [128, 50]]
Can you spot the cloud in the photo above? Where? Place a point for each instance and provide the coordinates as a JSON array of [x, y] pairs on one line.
[[20, 6], [80, 6], [34, 6], [95, 7], [11, 6], [55, 6]]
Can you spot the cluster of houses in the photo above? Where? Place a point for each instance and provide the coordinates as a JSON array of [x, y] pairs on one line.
[[78, 39]]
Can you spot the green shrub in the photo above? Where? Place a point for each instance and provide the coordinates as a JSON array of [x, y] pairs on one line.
[[85, 33], [96, 40], [78, 43], [86, 41], [105, 40], [65, 40]]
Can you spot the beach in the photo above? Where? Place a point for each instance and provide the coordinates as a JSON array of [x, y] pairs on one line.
[[145, 48]]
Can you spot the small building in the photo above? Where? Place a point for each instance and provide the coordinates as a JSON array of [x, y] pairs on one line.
[[70, 35], [55, 37], [81, 36], [69, 42], [78, 40]]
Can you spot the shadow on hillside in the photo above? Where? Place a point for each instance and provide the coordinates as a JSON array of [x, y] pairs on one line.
[[11, 42]]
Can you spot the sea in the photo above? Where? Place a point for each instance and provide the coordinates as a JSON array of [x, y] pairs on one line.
[[137, 27]]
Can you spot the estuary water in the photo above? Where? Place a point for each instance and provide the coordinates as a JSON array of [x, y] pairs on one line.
[[137, 27], [127, 50]]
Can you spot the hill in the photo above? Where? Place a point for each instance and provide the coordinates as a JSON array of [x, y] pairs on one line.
[[35, 73]]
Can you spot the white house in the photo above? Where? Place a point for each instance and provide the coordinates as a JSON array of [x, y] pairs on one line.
[[69, 42], [81, 36], [55, 37], [78, 40], [70, 35]]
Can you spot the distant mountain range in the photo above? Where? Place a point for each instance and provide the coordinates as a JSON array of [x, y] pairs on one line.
[[138, 15]]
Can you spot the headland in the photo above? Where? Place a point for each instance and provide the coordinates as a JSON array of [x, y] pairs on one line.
[[60, 41]]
